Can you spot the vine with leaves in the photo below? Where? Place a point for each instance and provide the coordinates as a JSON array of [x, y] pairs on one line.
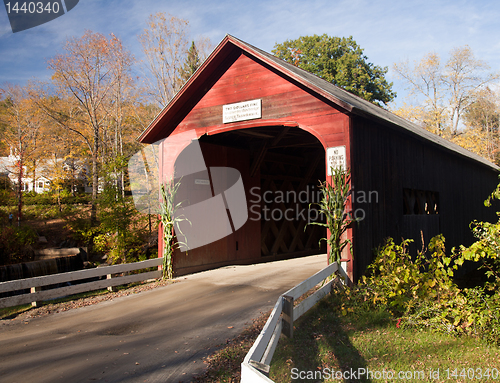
[[333, 206], [170, 221]]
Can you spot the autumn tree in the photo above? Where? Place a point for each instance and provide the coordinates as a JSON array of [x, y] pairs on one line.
[[164, 43], [341, 61], [482, 125], [22, 122], [425, 80], [169, 61], [86, 77], [444, 92], [465, 75], [484, 112], [121, 129]]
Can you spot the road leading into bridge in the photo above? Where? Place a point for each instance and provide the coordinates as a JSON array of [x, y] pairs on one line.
[[160, 335]]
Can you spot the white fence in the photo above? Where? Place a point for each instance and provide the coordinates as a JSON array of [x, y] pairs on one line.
[[255, 366], [35, 285]]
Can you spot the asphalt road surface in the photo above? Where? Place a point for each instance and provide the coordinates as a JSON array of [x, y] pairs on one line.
[[160, 335]]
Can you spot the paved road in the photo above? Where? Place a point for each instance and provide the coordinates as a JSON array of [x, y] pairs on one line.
[[160, 335]]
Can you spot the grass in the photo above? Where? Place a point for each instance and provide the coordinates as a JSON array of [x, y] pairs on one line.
[[328, 343], [10, 312], [334, 338], [224, 366], [40, 212]]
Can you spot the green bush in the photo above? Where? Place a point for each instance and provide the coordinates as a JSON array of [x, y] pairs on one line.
[[121, 231], [51, 198], [397, 281], [421, 292], [486, 251], [465, 312], [76, 199], [15, 244], [45, 212], [7, 198], [32, 198]]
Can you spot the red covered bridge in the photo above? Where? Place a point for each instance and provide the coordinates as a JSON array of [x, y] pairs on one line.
[[404, 179]]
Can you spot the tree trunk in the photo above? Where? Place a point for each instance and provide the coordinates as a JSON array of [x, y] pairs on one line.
[[34, 175], [95, 179], [20, 194]]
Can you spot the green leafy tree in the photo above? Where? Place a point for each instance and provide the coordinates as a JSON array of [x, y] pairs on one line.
[[340, 61]]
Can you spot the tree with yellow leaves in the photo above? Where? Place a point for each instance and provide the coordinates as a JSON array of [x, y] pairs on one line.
[[22, 122], [445, 91], [165, 44], [87, 74]]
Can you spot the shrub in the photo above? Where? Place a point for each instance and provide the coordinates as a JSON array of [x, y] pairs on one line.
[[465, 312], [32, 198], [121, 232], [15, 244], [486, 251], [396, 281], [421, 292], [7, 198]]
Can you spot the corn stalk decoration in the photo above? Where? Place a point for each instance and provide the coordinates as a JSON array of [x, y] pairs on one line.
[[333, 207], [170, 221]]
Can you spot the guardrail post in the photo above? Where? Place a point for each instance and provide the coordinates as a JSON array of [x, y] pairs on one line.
[[287, 316], [111, 288], [262, 367], [34, 290]]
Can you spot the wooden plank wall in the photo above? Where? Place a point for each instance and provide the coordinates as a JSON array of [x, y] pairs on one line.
[[387, 161]]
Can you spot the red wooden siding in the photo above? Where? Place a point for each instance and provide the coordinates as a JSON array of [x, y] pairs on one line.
[[284, 103], [386, 155]]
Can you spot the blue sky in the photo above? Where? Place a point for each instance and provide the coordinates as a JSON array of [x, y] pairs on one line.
[[388, 31]]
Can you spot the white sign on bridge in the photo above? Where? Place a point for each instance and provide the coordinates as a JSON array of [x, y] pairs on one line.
[[242, 111], [335, 158]]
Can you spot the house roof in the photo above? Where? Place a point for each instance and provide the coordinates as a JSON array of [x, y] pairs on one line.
[[165, 122]]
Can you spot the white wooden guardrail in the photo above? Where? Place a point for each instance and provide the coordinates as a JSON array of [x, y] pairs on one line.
[[35, 284], [255, 366]]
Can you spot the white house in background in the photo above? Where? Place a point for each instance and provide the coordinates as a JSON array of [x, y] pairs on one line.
[[8, 168], [42, 184]]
